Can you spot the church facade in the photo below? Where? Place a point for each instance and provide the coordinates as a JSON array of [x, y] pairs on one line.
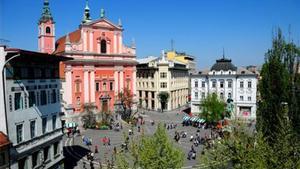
[[102, 65]]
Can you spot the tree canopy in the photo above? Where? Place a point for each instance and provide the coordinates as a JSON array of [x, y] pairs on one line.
[[156, 152], [212, 108]]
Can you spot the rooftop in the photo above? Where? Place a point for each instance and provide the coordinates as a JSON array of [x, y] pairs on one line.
[[3, 140], [223, 64]]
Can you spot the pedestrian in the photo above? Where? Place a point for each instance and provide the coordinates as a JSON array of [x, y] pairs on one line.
[[108, 141], [96, 149], [139, 129]]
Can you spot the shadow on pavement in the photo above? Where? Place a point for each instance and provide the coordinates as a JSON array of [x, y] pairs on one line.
[[70, 161]]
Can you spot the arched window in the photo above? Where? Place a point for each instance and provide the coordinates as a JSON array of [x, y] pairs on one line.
[[103, 46], [48, 30]]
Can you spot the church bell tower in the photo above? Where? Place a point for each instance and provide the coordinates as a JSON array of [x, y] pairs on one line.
[[46, 35]]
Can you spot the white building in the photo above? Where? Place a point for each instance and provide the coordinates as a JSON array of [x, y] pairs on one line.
[[32, 107], [228, 82], [155, 75]]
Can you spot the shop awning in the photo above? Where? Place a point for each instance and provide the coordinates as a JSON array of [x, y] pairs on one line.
[[71, 124]]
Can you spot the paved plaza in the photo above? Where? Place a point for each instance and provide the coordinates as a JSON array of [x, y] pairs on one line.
[[76, 152]]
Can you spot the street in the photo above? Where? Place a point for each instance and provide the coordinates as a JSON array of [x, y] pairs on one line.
[[75, 151]]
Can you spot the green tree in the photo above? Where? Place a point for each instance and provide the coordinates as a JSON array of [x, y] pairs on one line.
[[156, 152], [163, 98], [239, 149], [212, 108], [126, 101], [89, 118]]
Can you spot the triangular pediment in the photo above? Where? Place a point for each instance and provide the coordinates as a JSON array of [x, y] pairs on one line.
[[104, 23]]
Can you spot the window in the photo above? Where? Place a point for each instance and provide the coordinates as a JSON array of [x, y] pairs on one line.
[[44, 125], [249, 84], [152, 84], [152, 95], [34, 159], [229, 84], [221, 84], [78, 100], [103, 46], [111, 86], [221, 95], [31, 98], [229, 95], [203, 95], [56, 148], [249, 98], [104, 86], [48, 30], [163, 75], [241, 84], [43, 97], [241, 98], [196, 83], [10, 103], [19, 133], [196, 95], [214, 83], [53, 100], [77, 87], [97, 87], [18, 101], [22, 164], [32, 129], [140, 93], [46, 153], [54, 122], [163, 85], [203, 84]]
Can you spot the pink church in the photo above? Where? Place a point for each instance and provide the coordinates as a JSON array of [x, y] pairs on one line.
[[102, 65]]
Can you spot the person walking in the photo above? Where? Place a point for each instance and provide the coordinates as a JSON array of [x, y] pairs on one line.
[[96, 149]]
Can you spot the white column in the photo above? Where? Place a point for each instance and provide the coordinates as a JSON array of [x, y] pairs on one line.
[[68, 88], [84, 41], [134, 81], [116, 81], [86, 85], [120, 44], [115, 43], [91, 42], [121, 80], [2, 103], [92, 86]]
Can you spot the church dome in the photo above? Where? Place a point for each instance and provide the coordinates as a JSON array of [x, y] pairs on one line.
[[223, 64]]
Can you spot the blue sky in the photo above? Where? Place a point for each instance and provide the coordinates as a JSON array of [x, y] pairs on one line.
[[199, 27]]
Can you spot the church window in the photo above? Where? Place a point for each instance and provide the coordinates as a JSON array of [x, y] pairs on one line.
[[103, 46], [48, 30]]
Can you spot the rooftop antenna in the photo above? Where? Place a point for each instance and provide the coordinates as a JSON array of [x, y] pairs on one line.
[[172, 45], [223, 53]]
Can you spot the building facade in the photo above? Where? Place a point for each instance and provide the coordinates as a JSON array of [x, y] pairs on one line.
[[183, 58], [4, 151], [155, 75], [102, 65], [33, 108], [228, 82]]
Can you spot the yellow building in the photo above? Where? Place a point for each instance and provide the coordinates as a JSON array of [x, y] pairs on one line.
[[183, 58]]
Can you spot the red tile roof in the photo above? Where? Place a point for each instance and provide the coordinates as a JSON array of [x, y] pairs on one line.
[[3, 140], [60, 43]]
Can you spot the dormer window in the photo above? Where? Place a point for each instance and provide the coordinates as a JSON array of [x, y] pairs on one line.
[[48, 30], [103, 46]]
